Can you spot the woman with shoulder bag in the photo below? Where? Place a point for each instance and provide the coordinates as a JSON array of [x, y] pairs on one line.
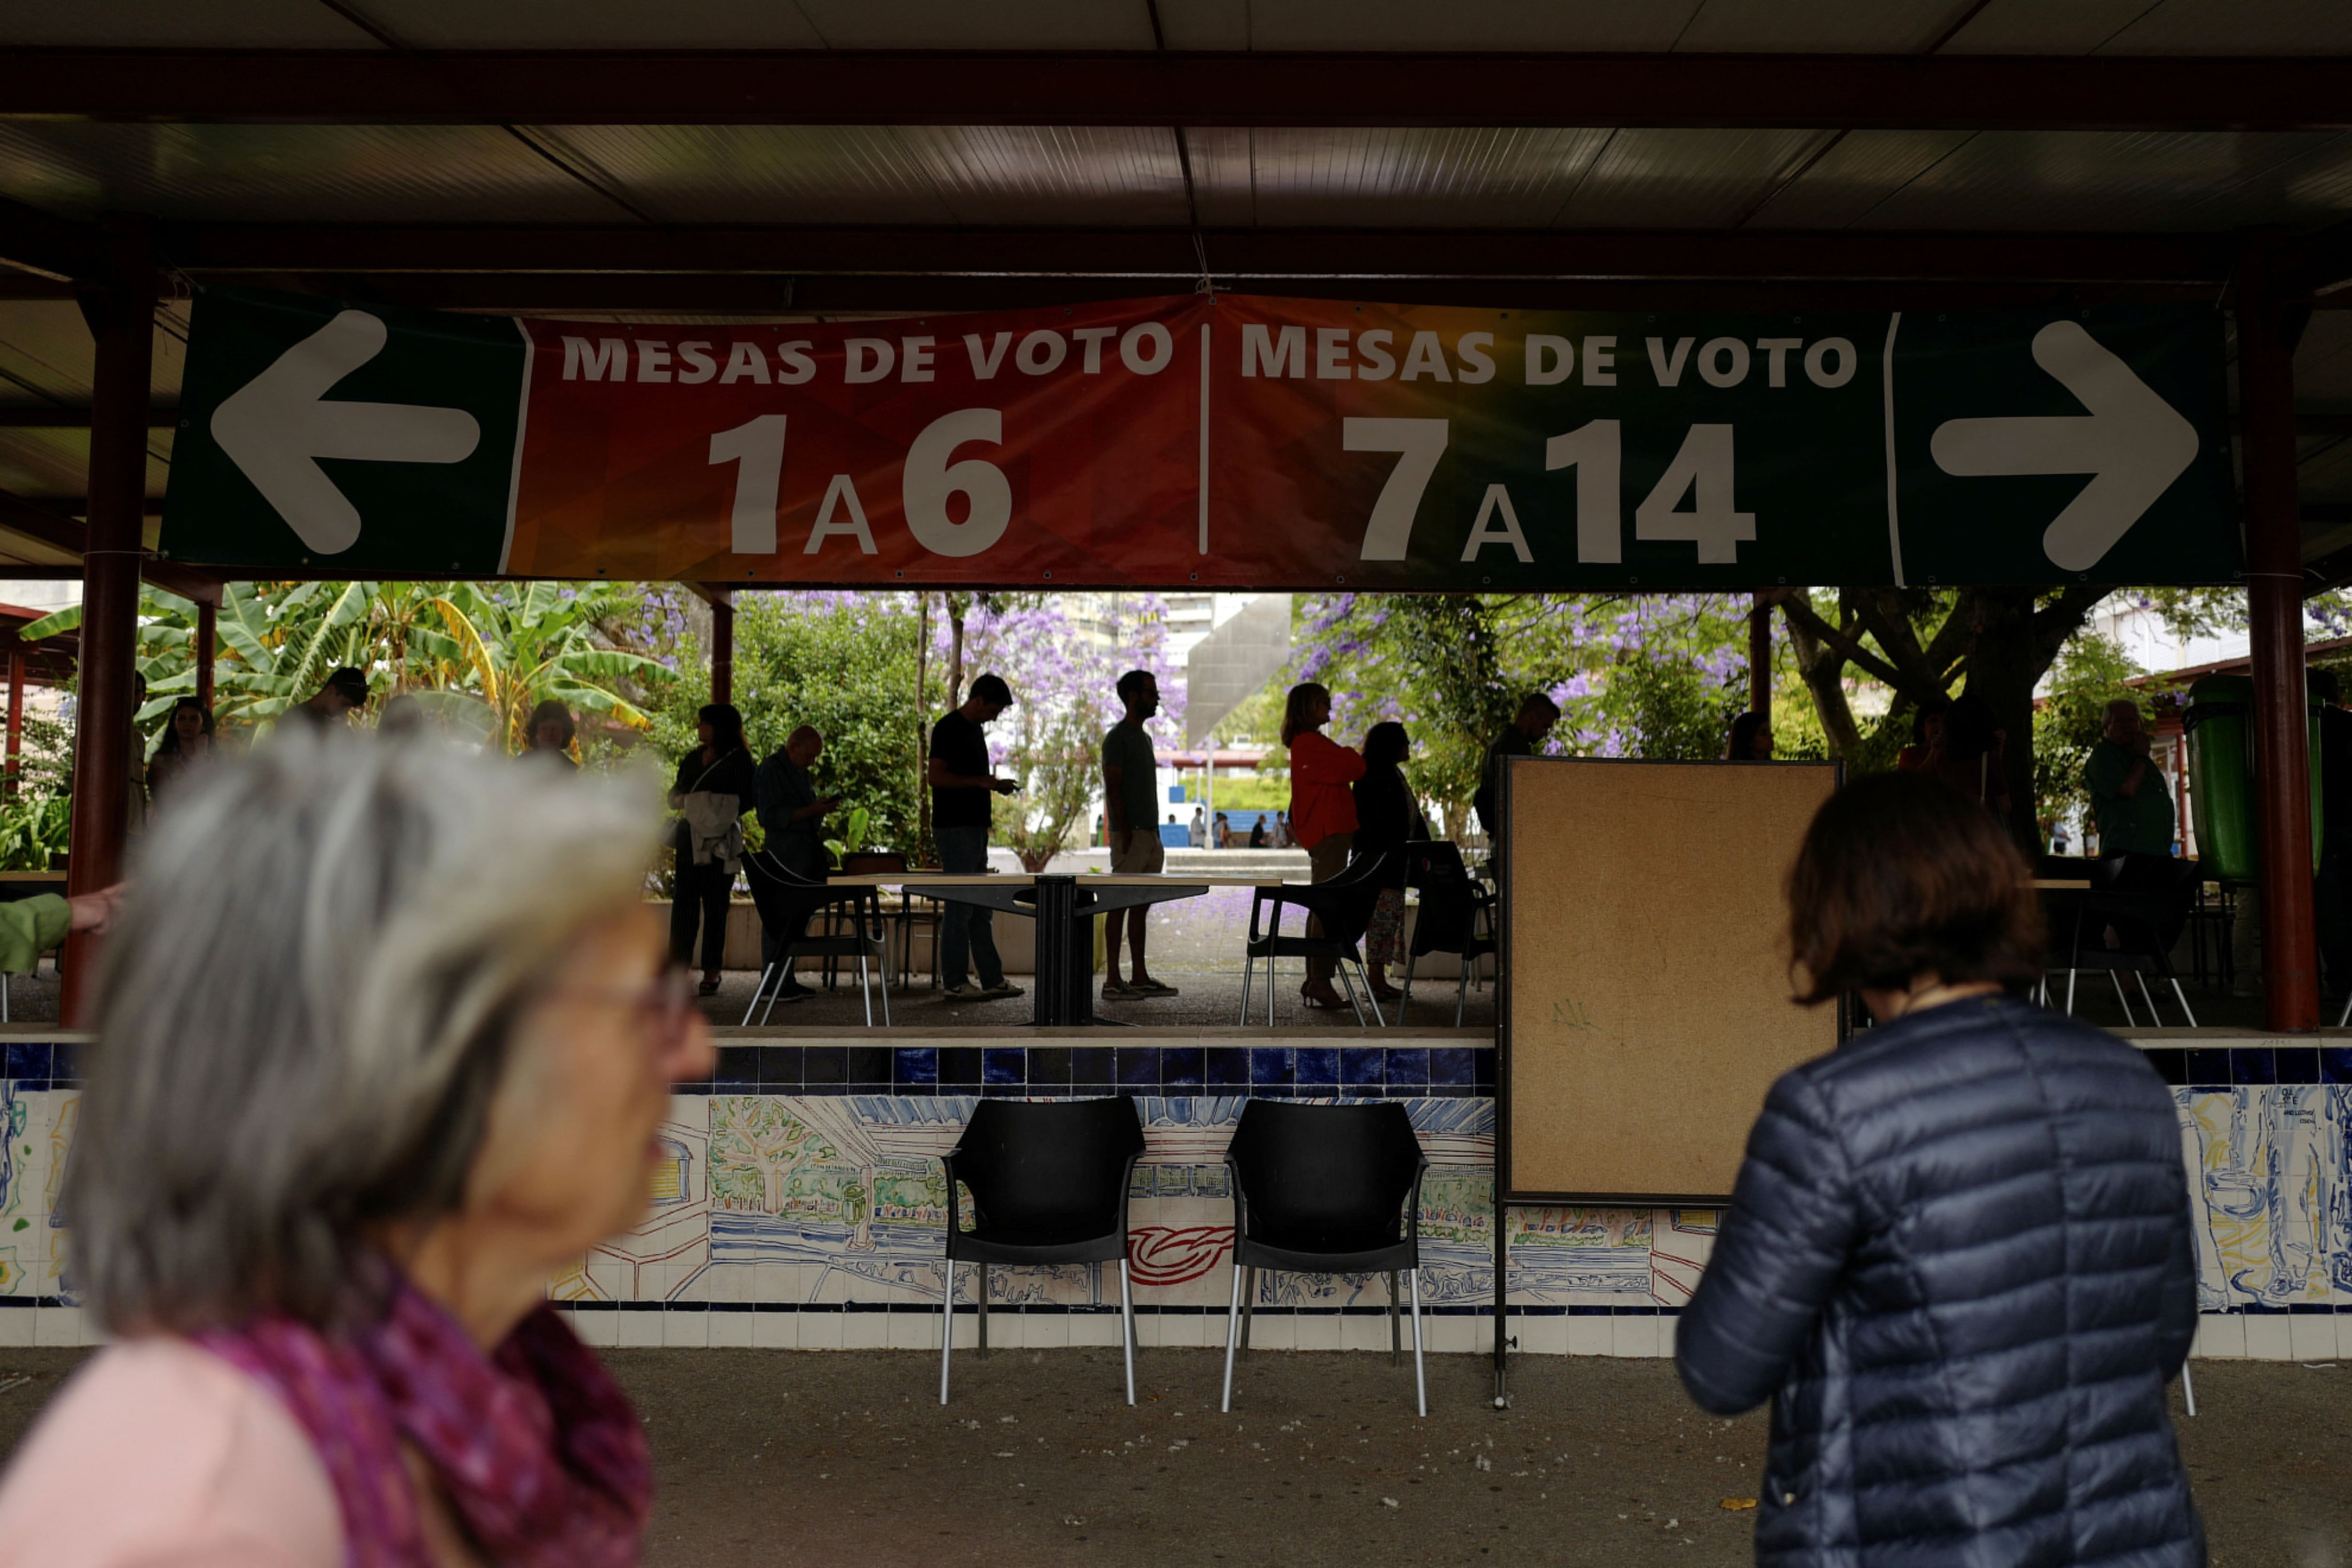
[[712, 791]]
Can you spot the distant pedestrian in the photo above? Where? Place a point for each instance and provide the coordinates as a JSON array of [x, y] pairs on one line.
[[1131, 779], [345, 692], [1222, 836], [1322, 809], [1386, 821], [791, 815], [550, 733], [1519, 738], [1959, 1259], [1967, 756], [1926, 734], [186, 747], [1257, 831], [2130, 800], [1282, 836], [962, 809], [1751, 739], [711, 793], [1197, 836]]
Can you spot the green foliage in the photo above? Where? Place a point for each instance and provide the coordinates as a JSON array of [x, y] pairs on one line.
[[1667, 711], [2090, 673], [843, 662], [33, 828]]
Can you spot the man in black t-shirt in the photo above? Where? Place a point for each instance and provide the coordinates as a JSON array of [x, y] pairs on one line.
[[961, 785], [1519, 738]]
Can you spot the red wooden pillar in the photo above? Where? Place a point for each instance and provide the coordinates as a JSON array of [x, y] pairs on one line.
[[207, 648], [121, 316], [2274, 619], [722, 648], [16, 717], [1759, 657]]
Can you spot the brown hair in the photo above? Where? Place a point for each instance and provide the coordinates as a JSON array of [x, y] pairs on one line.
[[1902, 876], [1297, 711]]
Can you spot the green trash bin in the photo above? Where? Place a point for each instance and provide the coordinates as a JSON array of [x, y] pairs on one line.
[[2219, 725]]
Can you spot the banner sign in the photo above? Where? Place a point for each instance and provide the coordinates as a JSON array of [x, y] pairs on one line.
[[1224, 442]]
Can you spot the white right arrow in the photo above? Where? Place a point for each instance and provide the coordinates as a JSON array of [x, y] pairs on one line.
[[2133, 444], [276, 426]]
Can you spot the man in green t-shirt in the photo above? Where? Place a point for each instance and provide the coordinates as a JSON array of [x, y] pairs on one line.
[[2130, 800], [1131, 792]]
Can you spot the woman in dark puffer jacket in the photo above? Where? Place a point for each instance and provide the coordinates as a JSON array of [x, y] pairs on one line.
[[1957, 1258]]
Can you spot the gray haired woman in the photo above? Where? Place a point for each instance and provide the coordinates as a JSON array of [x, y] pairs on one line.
[[385, 1037]]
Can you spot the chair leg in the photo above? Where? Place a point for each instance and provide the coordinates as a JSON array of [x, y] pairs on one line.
[[1363, 975], [2182, 997], [1341, 969], [2070, 992], [885, 987], [947, 1324], [1249, 1305], [776, 992], [754, 1008], [1396, 1329], [2188, 1388], [983, 1311], [1233, 1329], [2141, 981], [1461, 992], [1249, 968], [1127, 1323], [865, 992], [1419, 1376], [2125, 1002], [1405, 1002]]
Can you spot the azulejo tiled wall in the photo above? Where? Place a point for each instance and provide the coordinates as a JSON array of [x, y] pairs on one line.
[[802, 1204]]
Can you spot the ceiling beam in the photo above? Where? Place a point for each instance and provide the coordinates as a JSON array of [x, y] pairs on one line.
[[38, 416], [1158, 254], [47, 526], [925, 88]]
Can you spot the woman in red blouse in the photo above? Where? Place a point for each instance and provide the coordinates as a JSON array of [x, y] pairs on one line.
[[1322, 808]]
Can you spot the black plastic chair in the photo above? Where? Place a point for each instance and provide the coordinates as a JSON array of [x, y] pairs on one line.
[[1457, 915], [2144, 900], [1326, 1189], [786, 901], [1343, 905], [1048, 1181]]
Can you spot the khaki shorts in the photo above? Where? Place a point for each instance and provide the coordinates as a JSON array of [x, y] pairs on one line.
[[1146, 855]]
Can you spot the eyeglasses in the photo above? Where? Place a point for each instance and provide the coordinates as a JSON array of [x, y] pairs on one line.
[[666, 1002]]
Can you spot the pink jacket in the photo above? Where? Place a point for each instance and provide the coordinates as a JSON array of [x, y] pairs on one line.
[[159, 1455]]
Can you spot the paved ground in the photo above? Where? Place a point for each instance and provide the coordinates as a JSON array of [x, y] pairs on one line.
[[846, 1460]]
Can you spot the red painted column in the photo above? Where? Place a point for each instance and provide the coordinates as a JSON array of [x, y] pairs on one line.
[[16, 718], [2274, 617], [207, 648], [1759, 657], [121, 316], [722, 651]]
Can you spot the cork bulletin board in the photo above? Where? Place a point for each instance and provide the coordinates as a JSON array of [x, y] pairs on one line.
[[1644, 1005]]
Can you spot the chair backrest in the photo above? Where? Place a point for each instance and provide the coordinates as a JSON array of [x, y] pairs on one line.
[[1447, 920], [1325, 1178], [1049, 1165], [2163, 888], [1433, 861], [873, 863], [783, 897]]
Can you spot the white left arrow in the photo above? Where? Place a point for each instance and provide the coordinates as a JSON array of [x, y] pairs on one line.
[[2133, 444], [276, 427]]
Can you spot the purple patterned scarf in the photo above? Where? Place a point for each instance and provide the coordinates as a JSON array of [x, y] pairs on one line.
[[535, 1447]]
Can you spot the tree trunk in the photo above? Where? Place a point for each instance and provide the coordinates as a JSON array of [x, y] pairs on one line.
[[1824, 673], [2002, 670], [922, 729]]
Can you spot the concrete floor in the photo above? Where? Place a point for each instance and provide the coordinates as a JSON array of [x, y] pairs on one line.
[[846, 1460]]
